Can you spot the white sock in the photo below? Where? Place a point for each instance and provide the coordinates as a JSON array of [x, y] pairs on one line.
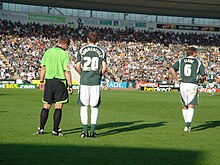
[[84, 115], [190, 113], [94, 115], [184, 112]]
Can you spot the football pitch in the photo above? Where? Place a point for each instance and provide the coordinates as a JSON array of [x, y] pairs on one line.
[[134, 128]]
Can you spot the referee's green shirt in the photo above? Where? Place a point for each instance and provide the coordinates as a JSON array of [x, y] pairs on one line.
[[55, 60]]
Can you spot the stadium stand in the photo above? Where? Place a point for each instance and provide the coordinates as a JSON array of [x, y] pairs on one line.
[[133, 55]]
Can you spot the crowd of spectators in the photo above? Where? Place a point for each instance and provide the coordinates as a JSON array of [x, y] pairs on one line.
[[132, 55]]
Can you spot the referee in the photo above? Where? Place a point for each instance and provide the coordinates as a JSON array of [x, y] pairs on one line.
[[55, 81]]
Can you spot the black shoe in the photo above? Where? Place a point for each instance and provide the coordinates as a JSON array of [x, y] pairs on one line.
[[40, 131], [84, 135], [57, 133], [93, 135]]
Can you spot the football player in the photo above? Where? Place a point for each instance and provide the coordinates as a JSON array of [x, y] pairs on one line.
[[189, 69]]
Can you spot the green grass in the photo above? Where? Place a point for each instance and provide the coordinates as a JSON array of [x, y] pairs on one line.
[[134, 128]]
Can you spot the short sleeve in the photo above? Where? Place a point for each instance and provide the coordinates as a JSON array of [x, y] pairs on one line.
[[66, 62], [176, 66], [78, 57], [43, 61]]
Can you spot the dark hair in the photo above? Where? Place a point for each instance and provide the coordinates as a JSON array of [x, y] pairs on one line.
[[64, 40], [190, 51], [92, 36]]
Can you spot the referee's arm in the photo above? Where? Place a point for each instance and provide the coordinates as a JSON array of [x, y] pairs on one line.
[[69, 81], [42, 75], [68, 77]]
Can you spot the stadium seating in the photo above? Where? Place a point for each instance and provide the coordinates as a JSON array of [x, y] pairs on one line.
[[132, 55]]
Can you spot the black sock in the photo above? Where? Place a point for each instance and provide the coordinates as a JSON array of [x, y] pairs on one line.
[[43, 117], [57, 118]]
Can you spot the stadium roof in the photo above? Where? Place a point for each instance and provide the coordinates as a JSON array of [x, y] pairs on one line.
[[186, 8]]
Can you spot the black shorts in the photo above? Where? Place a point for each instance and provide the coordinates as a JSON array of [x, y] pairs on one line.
[[55, 91]]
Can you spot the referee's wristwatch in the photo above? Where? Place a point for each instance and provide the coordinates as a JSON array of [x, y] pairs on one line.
[[70, 86]]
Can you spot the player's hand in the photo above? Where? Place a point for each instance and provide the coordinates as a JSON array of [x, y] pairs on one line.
[[42, 86], [178, 79]]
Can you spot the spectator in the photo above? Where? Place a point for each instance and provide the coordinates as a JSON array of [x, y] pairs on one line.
[[131, 54]]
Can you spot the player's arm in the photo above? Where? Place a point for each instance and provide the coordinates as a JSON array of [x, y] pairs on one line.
[[104, 68], [42, 75], [78, 67], [78, 63], [173, 72]]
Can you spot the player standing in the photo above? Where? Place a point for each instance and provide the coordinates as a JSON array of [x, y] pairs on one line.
[[211, 81], [91, 65], [189, 69]]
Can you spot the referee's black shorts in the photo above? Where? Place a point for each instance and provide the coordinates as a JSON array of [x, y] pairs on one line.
[[55, 91]]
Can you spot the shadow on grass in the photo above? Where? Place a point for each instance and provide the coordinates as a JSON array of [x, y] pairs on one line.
[[3, 111], [72, 131], [78, 155], [118, 127], [102, 126], [207, 125], [3, 94], [129, 128]]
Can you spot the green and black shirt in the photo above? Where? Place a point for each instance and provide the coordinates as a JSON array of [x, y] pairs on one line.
[[91, 58], [189, 69]]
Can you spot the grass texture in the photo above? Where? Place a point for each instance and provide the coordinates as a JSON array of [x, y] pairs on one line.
[[134, 128]]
